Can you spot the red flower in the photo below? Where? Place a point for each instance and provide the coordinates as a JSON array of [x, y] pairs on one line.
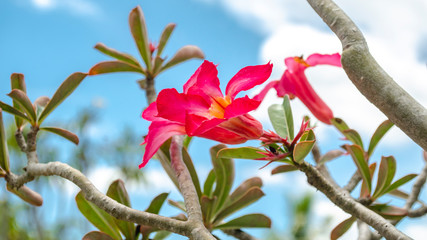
[[202, 110], [295, 84]]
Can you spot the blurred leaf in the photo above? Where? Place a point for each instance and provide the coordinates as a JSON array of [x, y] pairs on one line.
[[206, 204], [124, 57], [63, 133], [364, 191], [17, 82], [167, 31], [288, 117], [63, 91], [190, 166], [329, 156], [187, 141], [389, 212], [252, 195], [399, 183], [164, 158], [224, 172], [210, 180], [158, 61], [180, 205], [358, 157], [26, 194], [139, 33], [242, 153], [242, 189], [114, 66], [302, 149], [342, 228], [24, 102], [278, 119], [379, 133], [308, 135], [157, 203], [40, 103], [247, 221], [399, 193], [94, 235], [117, 191], [4, 153], [183, 54], [385, 175], [14, 111], [98, 217], [2, 173], [339, 124], [160, 235], [353, 136], [283, 169]]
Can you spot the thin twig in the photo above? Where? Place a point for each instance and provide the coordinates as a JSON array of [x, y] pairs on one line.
[[352, 183]]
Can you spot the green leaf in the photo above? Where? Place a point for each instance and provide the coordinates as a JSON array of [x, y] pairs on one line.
[[40, 103], [399, 183], [247, 221], [139, 33], [14, 111], [358, 156], [399, 193], [207, 204], [364, 191], [302, 149], [4, 153], [160, 235], [353, 136], [242, 153], [117, 191], [224, 172], [283, 169], [252, 195], [242, 189], [389, 212], [308, 135], [190, 166], [378, 134], [342, 228], [114, 66], [278, 120], [95, 235], [187, 141], [210, 180], [2, 173], [157, 203], [63, 133], [158, 61], [24, 102], [17, 82], [385, 175], [167, 31], [26, 194], [329, 156], [180, 205], [288, 117], [124, 57], [183, 54], [339, 124], [63, 91], [98, 217]]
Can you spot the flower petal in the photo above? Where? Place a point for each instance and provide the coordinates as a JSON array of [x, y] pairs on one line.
[[329, 59], [195, 125], [244, 125], [247, 78], [223, 135], [158, 133], [150, 113], [241, 106], [260, 96], [204, 82]]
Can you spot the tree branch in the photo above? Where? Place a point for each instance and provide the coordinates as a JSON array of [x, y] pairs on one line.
[[368, 76], [239, 234]]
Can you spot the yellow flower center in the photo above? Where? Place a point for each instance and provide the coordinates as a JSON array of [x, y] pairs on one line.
[[300, 60], [218, 106]]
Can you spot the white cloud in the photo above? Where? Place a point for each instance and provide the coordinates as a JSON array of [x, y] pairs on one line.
[[416, 231], [79, 7]]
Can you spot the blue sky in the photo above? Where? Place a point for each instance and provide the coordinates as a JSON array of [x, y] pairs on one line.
[[47, 40]]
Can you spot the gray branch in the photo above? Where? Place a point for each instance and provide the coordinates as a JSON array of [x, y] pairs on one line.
[[239, 234], [368, 76]]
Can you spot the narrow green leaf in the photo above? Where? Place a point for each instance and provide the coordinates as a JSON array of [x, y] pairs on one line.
[[302, 149], [283, 169], [353, 137], [252, 195], [139, 33], [157, 203], [2, 173], [17, 81], [207, 206], [358, 157], [98, 217], [40, 103], [242, 153], [180, 205], [160, 235], [399, 193], [342, 228], [224, 172], [288, 117], [242, 189], [114, 66], [329, 156], [399, 183], [364, 191], [14, 111], [247, 221], [26, 194], [158, 61], [4, 153], [187, 141], [190, 166], [164, 157], [24, 102], [183, 54], [117, 191], [385, 175], [167, 31], [124, 57], [63, 133], [278, 119], [63, 91], [339, 124], [378, 134], [95, 235], [389, 212], [308, 135], [210, 180]]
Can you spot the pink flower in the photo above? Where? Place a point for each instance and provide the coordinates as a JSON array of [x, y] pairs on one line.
[[202, 110], [295, 84]]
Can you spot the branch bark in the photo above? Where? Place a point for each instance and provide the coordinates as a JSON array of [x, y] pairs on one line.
[[368, 76], [239, 234]]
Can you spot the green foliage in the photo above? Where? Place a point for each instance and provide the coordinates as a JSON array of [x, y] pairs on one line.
[[4, 153], [342, 228]]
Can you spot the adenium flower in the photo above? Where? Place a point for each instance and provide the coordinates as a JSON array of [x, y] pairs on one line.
[[295, 84], [202, 110]]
